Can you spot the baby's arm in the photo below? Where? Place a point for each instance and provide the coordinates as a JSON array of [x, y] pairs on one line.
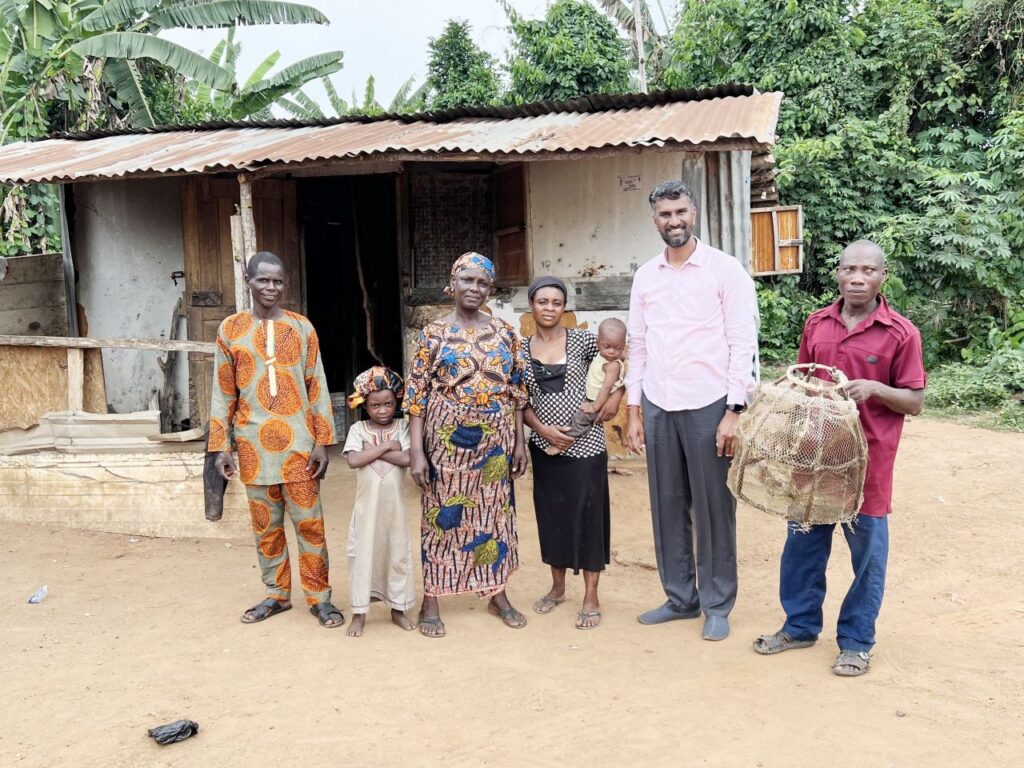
[[611, 375], [370, 454]]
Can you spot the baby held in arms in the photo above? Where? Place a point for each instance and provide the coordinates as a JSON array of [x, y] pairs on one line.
[[607, 374]]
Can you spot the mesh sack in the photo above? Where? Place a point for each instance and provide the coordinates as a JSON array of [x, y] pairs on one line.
[[801, 452]]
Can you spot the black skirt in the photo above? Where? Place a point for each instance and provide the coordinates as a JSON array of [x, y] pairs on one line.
[[570, 496]]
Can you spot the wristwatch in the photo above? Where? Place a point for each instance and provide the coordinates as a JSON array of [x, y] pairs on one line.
[[735, 408]]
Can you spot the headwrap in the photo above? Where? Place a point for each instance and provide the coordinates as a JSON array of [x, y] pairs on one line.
[[470, 260], [375, 379], [547, 281]]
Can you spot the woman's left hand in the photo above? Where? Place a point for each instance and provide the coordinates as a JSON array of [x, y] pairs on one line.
[[519, 460]]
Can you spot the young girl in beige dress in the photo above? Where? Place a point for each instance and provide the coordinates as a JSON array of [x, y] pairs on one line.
[[379, 546]]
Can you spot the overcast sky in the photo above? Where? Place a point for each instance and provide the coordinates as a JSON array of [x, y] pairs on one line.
[[386, 39]]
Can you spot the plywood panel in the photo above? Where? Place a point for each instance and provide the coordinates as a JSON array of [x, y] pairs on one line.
[[36, 321], [789, 258]]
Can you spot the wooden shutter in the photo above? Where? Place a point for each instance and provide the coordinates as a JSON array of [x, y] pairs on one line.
[[511, 248], [777, 240]]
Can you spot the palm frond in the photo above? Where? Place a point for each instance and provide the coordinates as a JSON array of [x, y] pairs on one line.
[[124, 76], [261, 69], [294, 109], [135, 45], [116, 13], [229, 13], [338, 104], [402, 95]]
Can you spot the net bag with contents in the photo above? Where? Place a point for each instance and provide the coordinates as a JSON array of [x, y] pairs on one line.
[[801, 452]]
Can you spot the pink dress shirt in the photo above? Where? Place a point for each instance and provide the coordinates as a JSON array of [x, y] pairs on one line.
[[692, 332]]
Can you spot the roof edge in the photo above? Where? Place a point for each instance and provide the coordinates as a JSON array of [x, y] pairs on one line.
[[602, 102]]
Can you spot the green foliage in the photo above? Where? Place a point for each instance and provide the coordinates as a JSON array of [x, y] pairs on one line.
[[902, 122], [973, 388], [86, 64], [458, 71], [573, 50], [783, 308]]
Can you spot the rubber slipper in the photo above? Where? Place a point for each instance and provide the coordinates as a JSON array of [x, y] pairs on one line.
[[852, 663], [512, 618], [768, 645], [582, 616], [547, 604], [264, 610], [434, 622], [324, 612]]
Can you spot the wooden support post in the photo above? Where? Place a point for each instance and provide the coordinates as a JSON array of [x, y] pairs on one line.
[[247, 220], [76, 379], [242, 300]]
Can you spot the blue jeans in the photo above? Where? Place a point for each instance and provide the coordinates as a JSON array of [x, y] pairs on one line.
[[802, 581]]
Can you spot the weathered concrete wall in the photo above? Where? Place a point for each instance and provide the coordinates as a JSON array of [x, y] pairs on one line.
[[149, 494], [589, 218], [128, 241]]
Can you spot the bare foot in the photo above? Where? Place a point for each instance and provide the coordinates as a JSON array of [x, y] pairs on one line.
[[399, 619], [356, 629]]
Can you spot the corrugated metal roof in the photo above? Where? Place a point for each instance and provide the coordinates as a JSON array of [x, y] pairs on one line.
[[749, 119]]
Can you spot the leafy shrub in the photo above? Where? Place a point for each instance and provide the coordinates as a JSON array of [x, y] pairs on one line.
[[974, 388], [784, 309]]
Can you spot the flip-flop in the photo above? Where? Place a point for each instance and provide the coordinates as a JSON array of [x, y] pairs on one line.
[[324, 612], [768, 645], [547, 604], [852, 663], [264, 610], [584, 615], [434, 622], [508, 615]]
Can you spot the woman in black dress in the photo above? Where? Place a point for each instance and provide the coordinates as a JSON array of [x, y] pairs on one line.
[[570, 490]]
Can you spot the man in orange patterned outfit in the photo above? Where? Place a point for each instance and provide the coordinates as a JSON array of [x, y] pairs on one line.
[[271, 405]]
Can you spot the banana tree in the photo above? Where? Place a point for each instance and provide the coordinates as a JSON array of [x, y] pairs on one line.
[[655, 41], [254, 97], [72, 64]]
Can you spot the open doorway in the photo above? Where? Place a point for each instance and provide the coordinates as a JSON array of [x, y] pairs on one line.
[[353, 288]]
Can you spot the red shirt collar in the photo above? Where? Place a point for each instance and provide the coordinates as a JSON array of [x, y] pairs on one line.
[[882, 313]]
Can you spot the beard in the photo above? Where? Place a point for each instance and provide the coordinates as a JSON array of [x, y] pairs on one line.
[[675, 240]]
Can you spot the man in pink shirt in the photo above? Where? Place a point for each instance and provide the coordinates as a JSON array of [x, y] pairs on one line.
[[879, 350], [692, 355]]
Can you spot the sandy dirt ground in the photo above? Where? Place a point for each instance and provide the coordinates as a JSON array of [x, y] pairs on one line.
[[137, 634]]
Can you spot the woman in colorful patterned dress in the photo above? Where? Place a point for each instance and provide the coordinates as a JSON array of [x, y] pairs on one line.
[[465, 400]]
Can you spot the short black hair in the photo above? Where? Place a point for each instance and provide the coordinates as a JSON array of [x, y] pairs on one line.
[[670, 190], [262, 257]]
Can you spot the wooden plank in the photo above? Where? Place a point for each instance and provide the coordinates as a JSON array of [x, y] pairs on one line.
[[762, 242], [70, 289], [694, 175], [238, 256], [35, 320], [775, 241], [34, 268], [95, 394], [76, 342], [76, 379], [712, 173], [245, 209], [48, 293]]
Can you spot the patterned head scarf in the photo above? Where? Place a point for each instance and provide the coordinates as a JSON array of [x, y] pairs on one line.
[[375, 379], [470, 260]]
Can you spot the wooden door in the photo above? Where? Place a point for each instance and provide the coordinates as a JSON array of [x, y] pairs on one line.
[[207, 207], [511, 249]]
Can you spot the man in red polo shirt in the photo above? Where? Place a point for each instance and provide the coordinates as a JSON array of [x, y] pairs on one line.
[[879, 350]]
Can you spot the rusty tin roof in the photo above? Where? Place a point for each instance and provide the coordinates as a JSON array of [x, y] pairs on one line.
[[734, 114]]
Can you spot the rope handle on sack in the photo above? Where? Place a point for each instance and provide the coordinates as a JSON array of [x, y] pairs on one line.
[[803, 375]]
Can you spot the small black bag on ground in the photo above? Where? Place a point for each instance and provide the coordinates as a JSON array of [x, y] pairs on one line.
[[179, 730]]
